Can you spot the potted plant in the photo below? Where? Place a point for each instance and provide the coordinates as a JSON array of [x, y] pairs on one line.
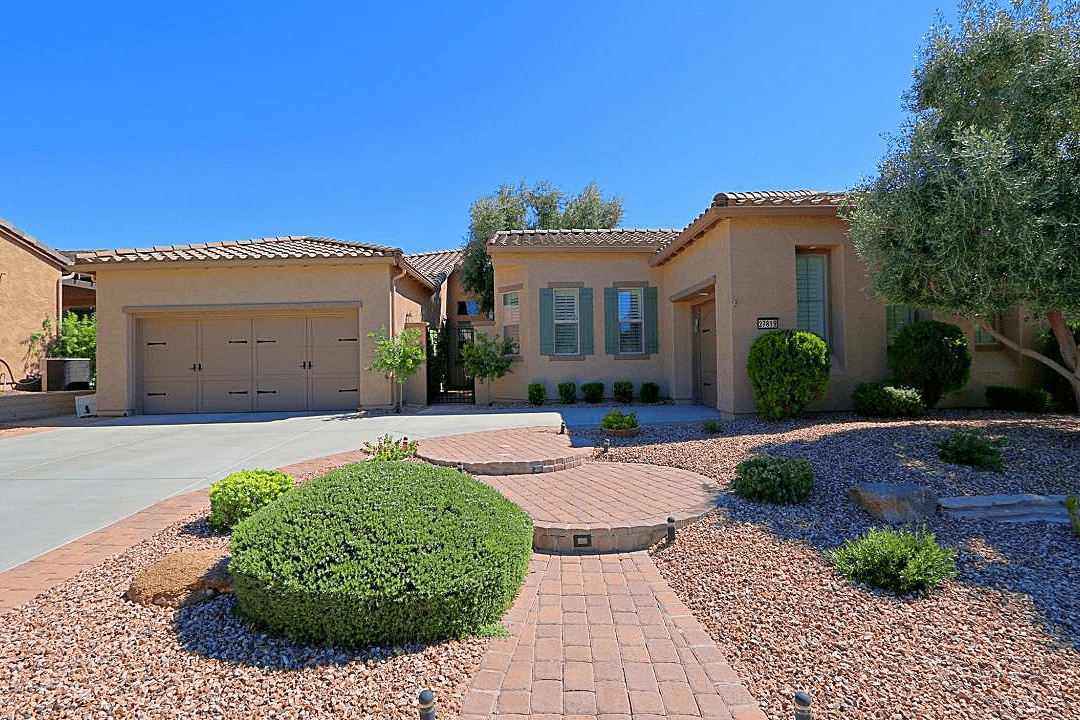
[[619, 424]]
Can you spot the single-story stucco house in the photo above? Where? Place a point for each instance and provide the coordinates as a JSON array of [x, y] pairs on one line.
[[31, 291], [682, 307]]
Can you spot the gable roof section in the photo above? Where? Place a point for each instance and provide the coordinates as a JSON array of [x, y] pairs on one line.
[[290, 247], [745, 204], [33, 245], [618, 238], [437, 265]]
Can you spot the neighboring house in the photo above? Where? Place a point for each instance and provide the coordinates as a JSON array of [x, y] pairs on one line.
[[31, 290], [682, 307], [257, 325]]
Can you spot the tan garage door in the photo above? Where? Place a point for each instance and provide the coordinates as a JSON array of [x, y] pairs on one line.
[[250, 363]]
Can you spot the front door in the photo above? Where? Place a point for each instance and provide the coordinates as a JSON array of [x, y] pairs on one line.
[[705, 353]]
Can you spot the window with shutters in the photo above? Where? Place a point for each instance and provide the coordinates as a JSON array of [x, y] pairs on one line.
[[631, 321], [566, 321], [896, 317], [812, 293], [511, 318], [983, 339]]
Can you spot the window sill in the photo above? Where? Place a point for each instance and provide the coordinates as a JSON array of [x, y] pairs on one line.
[[565, 357], [631, 356]]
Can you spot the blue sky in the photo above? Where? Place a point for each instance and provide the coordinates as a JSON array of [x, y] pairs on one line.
[[127, 124]]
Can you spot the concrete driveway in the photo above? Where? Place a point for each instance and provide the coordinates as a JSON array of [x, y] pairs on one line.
[[59, 485]]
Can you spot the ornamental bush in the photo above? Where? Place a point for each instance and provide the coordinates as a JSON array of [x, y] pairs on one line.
[[236, 496], [787, 368], [765, 478], [387, 448], [568, 392], [649, 392], [886, 401], [896, 560], [972, 448], [622, 391], [1019, 399], [932, 357], [617, 420], [375, 553], [537, 393], [593, 392]]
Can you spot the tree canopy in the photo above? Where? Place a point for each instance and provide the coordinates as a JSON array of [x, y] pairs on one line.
[[519, 207], [976, 206]]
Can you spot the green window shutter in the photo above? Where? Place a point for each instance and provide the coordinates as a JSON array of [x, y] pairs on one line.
[[547, 322], [810, 284], [611, 321], [585, 318], [652, 334]]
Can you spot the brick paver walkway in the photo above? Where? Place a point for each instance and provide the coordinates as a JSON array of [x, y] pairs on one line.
[[503, 452], [621, 506], [604, 636]]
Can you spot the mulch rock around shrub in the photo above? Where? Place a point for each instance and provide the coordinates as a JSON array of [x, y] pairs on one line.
[[1000, 640]]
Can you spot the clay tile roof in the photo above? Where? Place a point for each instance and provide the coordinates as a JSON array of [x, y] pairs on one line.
[[436, 265], [290, 247], [637, 238], [34, 245], [777, 197]]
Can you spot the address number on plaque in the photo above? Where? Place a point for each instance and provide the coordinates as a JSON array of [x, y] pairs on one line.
[[768, 323]]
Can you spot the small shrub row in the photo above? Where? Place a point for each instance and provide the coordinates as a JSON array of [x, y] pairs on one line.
[[239, 495], [765, 478], [617, 420], [886, 401], [897, 560], [381, 552], [1018, 399], [593, 392]]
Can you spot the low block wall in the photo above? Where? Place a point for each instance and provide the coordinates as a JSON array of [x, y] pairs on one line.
[[27, 406]]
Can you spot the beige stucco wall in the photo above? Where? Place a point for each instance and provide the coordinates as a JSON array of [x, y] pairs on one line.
[[177, 286], [594, 269], [28, 295]]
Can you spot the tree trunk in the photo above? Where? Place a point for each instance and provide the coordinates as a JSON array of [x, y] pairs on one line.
[[1071, 369]]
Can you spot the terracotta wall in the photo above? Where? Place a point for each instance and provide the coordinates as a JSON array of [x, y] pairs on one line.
[[28, 295]]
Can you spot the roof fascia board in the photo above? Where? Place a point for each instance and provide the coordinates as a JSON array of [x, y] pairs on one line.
[[35, 248], [89, 265]]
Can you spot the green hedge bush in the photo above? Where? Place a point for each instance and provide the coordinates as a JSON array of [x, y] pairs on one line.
[[568, 392], [622, 391], [787, 368], [972, 448], [593, 392], [900, 561], [932, 357], [765, 478], [374, 553], [617, 420], [537, 393], [236, 496], [1059, 388], [886, 401], [1019, 399], [649, 392]]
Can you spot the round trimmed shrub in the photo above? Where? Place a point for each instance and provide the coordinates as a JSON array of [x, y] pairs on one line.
[[568, 392], [374, 553], [238, 495], [896, 560], [886, 401], [593, 391], [787, 368], [622, 391], [932, 357], [774, 479], [537, 393], [649, 392]]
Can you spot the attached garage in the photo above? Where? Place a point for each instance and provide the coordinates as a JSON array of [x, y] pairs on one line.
[[276, 324]]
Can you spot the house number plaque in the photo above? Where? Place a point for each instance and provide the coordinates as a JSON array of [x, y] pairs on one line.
[[771, 323]]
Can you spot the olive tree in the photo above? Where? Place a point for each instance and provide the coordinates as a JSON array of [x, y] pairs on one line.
[[397, 357], [976, 207]]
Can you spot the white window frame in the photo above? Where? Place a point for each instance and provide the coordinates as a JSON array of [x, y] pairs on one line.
[[512, 322], [575, 322], [639, 320]]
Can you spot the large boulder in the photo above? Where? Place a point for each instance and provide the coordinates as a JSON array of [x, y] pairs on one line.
[[182, 578], [895, 504]]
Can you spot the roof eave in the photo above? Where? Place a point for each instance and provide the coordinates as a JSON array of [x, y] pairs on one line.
[[34, 246]]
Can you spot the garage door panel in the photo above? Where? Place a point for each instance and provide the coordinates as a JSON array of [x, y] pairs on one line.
[[169, 348], [335, 345], [335, 392], [280, 346], [162, 396], [226, 347], [284, 394], [226, 395]]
